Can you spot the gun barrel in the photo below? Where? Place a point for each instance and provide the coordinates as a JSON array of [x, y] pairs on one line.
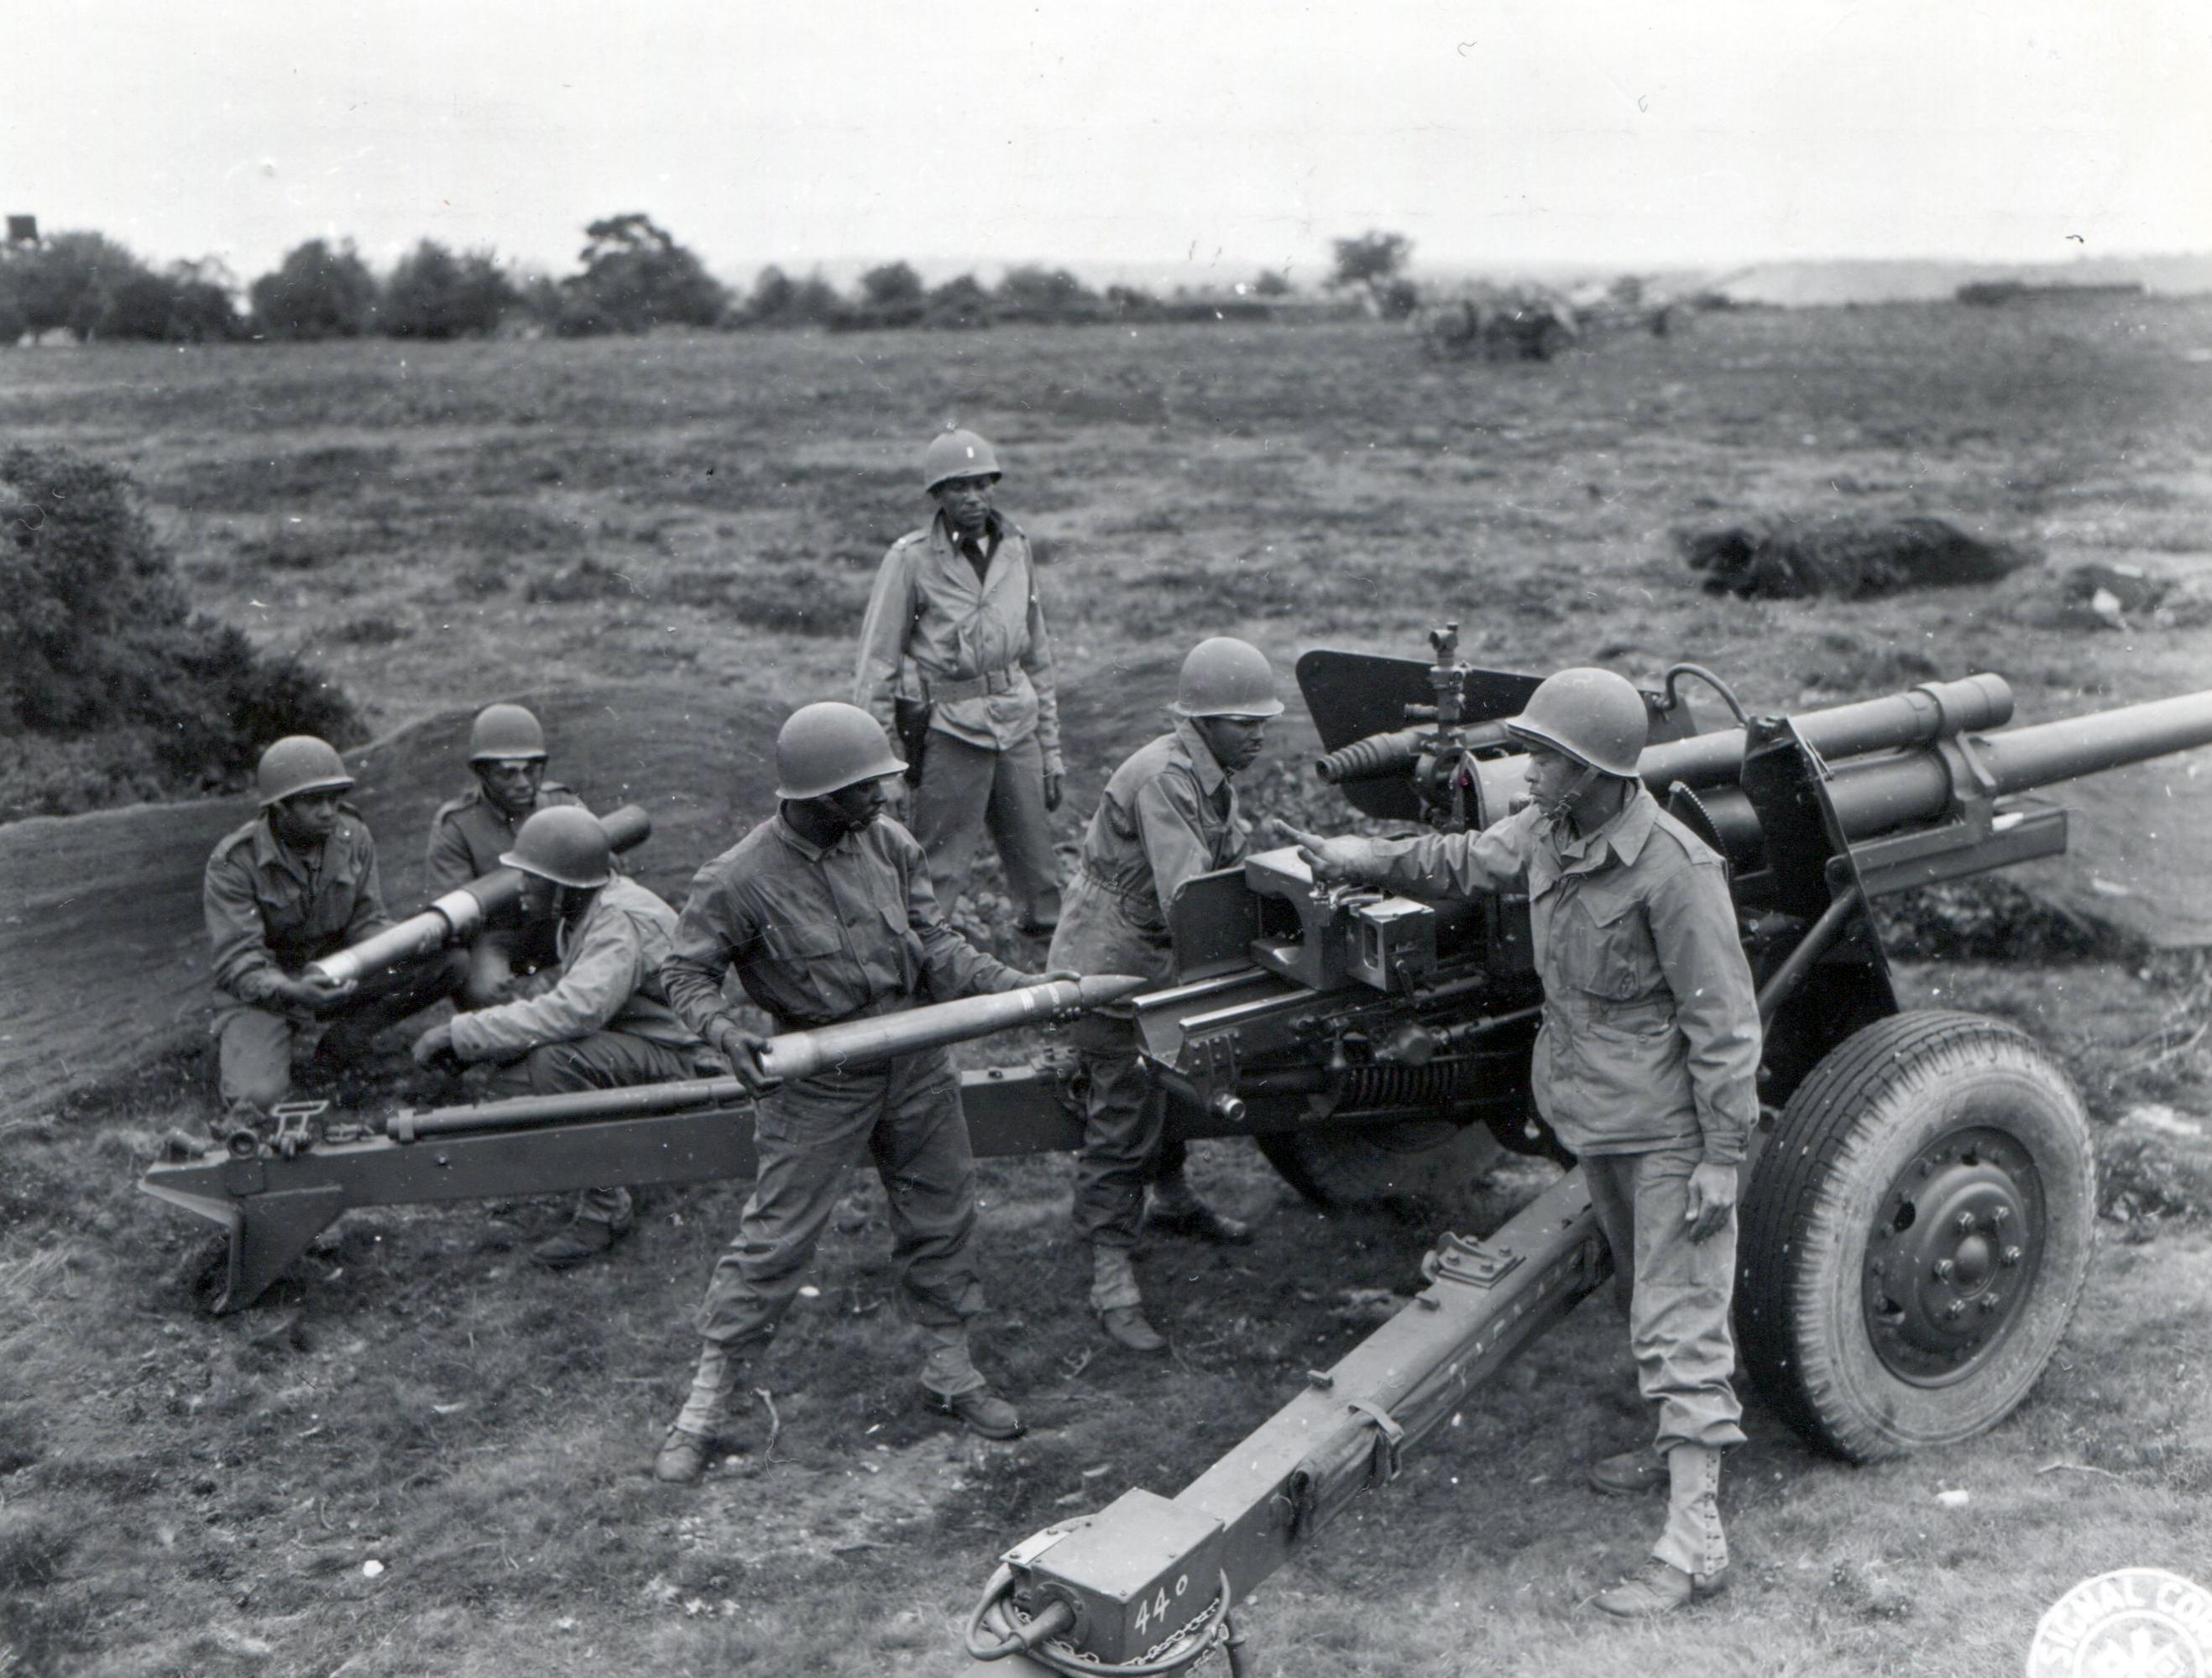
[[459, 913], [849, 1045], [1932, 711], [1884, 793]]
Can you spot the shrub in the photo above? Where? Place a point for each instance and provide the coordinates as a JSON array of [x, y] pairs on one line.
[[316, 293], [960, 302], [1046, 294], [778, 299], [185, 303], [113, 687], [434, 294]]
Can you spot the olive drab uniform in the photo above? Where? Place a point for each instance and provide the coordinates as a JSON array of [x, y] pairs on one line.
[[604, 1024], [271, 910], [968, 640], [815, 936], [1646, 1066], [468, 836], [1168, 812]]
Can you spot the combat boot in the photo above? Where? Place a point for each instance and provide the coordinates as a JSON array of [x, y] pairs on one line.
[[1659, 1588], [681, 1459], [690, 1438], [1629, 1474], [1127, 1325], [980, 1409], [589, 1233], [1173, 1207]]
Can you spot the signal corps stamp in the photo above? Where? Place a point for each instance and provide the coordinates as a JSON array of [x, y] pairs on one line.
[[2138, 1622]]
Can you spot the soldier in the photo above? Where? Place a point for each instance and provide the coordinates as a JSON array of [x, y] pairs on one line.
[[1168, 812], [606, 1021], [825, 913], [955, 662], [1646, 1068], [295, 884], [506, 753]]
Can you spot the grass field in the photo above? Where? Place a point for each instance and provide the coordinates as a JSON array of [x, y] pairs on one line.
[[442, 526]]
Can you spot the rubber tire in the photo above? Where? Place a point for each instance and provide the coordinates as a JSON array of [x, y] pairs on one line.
[[1351, 1165], [1875, 1101]]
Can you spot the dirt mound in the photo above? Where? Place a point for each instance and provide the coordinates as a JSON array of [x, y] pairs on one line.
[[1783, 558], [103, 958]]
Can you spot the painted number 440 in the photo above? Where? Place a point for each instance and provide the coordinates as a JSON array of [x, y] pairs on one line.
[[1156, 1611]]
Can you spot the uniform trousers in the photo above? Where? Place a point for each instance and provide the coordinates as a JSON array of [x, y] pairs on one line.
[[254, 1044], [603, 1061], [1125, 1140], [963, 789], [1678, 1324], [905, 1118]]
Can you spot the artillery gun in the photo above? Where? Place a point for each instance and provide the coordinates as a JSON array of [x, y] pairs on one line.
[[1918, 1202], [1917, 1220]]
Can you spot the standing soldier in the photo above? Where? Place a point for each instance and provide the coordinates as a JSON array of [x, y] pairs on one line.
[[1646, 1066], [295, 884], [1168, 812], [606, 1021], [825, 914], [469, 834], [955, 661]]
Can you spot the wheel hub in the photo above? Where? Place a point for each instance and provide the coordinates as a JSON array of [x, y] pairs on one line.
[[1951, 1256]]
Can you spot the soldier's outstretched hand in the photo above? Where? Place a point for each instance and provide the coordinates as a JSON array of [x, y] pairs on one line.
[[1333, 862]]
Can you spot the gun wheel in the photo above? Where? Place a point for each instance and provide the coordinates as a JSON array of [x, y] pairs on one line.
[[1916, 1233], [1408, 1162]]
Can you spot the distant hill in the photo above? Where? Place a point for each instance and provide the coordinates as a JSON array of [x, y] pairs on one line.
[[1811, 282]]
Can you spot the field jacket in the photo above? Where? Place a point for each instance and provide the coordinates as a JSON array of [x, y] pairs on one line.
[[271, 911], [609, 981], [974, 648], [1650, 1036], [816, 935], [469, 834], [1168, 812]]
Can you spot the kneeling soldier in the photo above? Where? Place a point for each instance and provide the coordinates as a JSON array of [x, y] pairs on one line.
[[295, 884], [1646, 1066], [606, 1021], [824, 911], [1168, 812], [469, 834]]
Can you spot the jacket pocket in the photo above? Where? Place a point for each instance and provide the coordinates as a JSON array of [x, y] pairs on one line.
[[1603, 947], [802, 940]]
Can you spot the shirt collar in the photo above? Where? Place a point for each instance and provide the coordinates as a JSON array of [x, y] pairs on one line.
[[805, 847], [1623, 835], [1210, 775], [995, 529]]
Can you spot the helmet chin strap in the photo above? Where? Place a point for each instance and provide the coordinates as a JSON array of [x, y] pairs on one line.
[[1560, 806]]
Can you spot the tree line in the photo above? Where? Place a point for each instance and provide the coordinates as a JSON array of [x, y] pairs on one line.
[[633, 275]]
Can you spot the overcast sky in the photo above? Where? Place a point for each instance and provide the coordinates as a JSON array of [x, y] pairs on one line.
[[1225, 134]]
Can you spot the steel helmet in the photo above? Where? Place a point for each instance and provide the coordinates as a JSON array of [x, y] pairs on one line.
[[1224, 676], [826, 747], [565, 844], [505, 731], [956, 454], [299, 763], [1594, 716]]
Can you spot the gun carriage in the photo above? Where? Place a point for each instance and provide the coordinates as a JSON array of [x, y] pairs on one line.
[[1918, 1202]]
